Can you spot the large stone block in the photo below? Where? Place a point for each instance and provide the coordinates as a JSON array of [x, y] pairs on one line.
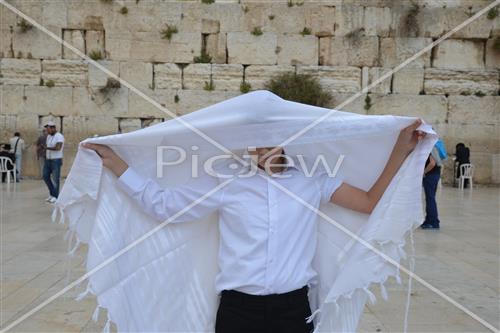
[[167, 76], [408, 81], [36, 44], [126, 125], [6, 50], [100, 101], [377, 21], [474, 110], [337, 80], [149, 46], [349, 51], [320, 19], [7, 125], [209, 26], [195, 76], [65, 72], [258, 75], [393, 51], [245, 48], [370, 75], [20, 71], [143, 108], [349, 18], [297, 50], [139, 74], [43, 100], [227, 77], [459, 54], [12, 99], [492, 53], [454, 82], [76, 39], [480, 138], [356, 106], [216, 47], [97, 77], [192, 100], [432, 109]]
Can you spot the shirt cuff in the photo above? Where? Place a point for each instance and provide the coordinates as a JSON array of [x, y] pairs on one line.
[[130, 181]]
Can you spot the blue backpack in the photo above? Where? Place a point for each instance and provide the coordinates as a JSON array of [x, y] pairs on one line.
[[443, 155]]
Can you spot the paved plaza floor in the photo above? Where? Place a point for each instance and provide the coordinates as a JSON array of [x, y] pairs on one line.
[[461, 260]]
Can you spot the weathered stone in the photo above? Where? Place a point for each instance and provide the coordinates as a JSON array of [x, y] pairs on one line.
[[167, 76], [12, 99], [408, 81], [216, 47], [297, 50], [432, 109], [139, 74], [7, 124], [320, 19], [126, 125], [227, 77], [192, 100], [356, 106], [459, 54], [258, 75], [6, 50], [36, 44], [474, 110], [210, 26], [94, 41], [349, 51], [454, 82], [349, 19], [44, 100], [245, 48], [20, 71], [195, 76], [76, 39], [493, 53], [97, 77], [335, 79], [370, 75], [65, 72], [377, 21], [393, 51], [142, 108]]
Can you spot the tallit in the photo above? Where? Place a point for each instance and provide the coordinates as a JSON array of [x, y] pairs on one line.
[[166, 282]]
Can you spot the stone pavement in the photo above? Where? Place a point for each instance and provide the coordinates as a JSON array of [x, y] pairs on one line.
[[461, 259]]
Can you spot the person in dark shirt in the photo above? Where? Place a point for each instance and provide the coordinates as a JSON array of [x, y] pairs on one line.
[[432, 173], [5, 151]]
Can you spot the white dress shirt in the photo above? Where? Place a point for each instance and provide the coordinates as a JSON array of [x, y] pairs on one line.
[[267, 238]]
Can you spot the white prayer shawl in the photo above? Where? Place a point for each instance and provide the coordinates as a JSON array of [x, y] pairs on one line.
[[166, 282]]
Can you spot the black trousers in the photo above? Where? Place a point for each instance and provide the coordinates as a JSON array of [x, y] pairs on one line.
[[244, 313]]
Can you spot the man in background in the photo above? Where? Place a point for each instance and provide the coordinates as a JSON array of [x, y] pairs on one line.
[[17, 146], [40, 150], [53, 160], [432, 174], [6, 152]]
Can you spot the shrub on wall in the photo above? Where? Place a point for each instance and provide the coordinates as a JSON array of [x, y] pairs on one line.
[[302, 88]]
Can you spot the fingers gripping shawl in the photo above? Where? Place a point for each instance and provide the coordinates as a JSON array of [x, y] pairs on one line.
[[166, 281]]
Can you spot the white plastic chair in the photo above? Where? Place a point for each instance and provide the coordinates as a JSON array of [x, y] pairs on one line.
[[4, 167], [466, 172]]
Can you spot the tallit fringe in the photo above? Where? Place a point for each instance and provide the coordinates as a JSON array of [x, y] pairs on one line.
[[84, 294], [412, 268], [107, 327], [95, 314], [311, 317]]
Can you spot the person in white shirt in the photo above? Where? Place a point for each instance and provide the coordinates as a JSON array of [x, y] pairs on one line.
[[267, 238], [17, 146], [53, 160]]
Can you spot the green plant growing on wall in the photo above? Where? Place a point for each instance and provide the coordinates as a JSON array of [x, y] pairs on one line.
[[271, 17], [492, 13], [168, 32], [368, 102], [24, 26], [107, 1], [354, 37], [203, 58], [124, 10], [289, 3], [245, 87], [305, 31], [50, 83], [257, 31], [302, 88], [465, 93], [209, 86], [207, 2], [111, 84], [245, 9], [95, 55], [479, 94], [176, 98]]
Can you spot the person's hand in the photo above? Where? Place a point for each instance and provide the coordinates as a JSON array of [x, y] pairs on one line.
[[109, 158], [409, 137]]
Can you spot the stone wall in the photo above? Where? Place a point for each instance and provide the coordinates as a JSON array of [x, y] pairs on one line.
[[347, 44]]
